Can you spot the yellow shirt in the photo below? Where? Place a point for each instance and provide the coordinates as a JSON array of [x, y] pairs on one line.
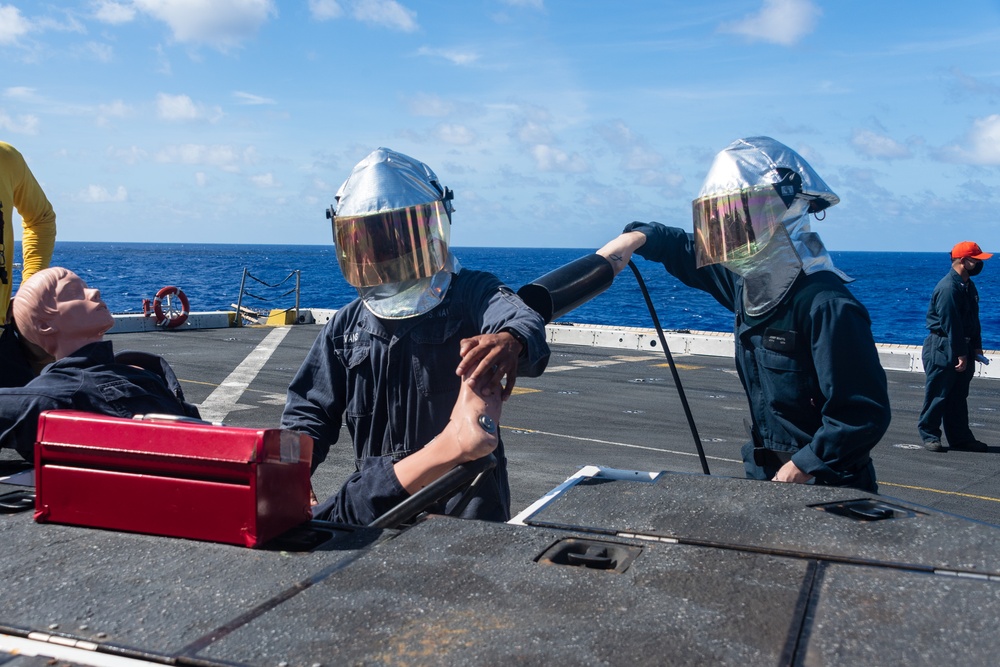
[[19, 190]]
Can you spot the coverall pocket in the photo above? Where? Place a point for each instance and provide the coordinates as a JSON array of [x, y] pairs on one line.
[[122, 397], [359, 379], [436, 356], [786, 382]]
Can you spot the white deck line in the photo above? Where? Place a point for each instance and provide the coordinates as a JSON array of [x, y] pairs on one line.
[[224, 398]]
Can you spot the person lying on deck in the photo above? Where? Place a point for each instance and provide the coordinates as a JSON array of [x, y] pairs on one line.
[[55, 310]]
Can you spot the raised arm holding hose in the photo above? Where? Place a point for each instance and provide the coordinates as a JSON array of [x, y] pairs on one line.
[[804, 349]]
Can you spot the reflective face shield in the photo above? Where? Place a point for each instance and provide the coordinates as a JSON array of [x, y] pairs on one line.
[[392, 246], [734, 226]]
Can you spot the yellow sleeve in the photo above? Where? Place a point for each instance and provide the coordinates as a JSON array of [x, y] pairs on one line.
[[39, 235]]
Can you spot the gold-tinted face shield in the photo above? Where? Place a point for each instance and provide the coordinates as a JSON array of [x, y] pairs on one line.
[[735, 226], [392, 246]]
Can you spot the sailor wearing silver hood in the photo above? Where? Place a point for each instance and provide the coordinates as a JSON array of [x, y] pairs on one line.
[[392, 361], [804, 348]]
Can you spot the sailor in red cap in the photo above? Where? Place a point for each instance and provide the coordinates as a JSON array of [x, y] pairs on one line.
[[952, 345]]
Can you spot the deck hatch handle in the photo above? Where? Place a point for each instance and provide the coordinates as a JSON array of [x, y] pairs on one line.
[[866, 509], [590, 554]]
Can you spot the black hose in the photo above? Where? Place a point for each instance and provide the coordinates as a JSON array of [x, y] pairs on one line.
[[673, 368]]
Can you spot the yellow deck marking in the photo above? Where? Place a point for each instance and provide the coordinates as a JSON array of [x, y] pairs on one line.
[[946, 493], [683, 367]]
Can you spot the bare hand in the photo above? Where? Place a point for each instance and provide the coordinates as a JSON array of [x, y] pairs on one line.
[[963, 362], [486, 359], [791, 473], [618, 251]]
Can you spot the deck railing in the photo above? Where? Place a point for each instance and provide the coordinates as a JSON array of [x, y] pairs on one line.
[[251, 315]]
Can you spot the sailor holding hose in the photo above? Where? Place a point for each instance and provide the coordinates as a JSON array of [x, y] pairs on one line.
[[804, 348]]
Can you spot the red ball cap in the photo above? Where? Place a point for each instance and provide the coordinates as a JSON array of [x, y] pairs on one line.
[[969, 249]]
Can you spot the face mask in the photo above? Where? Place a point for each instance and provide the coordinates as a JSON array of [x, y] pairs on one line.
[[975, 269]]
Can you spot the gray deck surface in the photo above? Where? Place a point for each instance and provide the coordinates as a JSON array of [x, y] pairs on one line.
[[612, 408], [725, 570]]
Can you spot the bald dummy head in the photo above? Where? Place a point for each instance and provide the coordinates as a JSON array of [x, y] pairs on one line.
[[55, 310]]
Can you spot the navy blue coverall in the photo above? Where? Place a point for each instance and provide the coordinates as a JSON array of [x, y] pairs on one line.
[[397, 390], [954, 331], [809, 367], [92, 379]]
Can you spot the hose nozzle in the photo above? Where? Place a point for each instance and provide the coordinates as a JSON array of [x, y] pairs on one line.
[[571, 285]]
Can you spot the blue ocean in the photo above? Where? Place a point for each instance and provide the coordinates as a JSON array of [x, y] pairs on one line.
[[895, 287]]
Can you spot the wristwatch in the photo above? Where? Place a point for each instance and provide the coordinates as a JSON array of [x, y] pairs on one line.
[[518, 337]]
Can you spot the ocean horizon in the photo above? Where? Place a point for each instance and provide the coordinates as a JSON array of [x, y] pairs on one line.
[[895, 287]]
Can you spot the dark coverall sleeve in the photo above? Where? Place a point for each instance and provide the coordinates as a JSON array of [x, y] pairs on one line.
[[855, 409], [674, 249], [314, 404], [496, 308], [19, 410], [950, 321]]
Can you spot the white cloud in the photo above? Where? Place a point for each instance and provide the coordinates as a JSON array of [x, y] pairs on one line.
[[22, 93], [532, 132], [130, 155], [97, 194], [423, 104], [222, 24], [98, 51], [635, 152], [550, 158], [251, 99], [183, 108], [387, 13], [115, 13], [981, 145], [324, 10], [227, 158], [782, 22], [530, 4], [452, 133], [384, 13], [454, 56], [200, 179], [264, 180], [26, 124], [175, 107], [116, 109], [12, 24], [879, 146]]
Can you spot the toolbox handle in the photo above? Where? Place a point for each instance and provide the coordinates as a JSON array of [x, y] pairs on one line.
[[164, 417]]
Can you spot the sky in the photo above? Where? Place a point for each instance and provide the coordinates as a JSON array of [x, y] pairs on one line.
[[555, 122]]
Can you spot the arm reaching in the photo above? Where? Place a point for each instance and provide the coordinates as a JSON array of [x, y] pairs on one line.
[[618, 251]]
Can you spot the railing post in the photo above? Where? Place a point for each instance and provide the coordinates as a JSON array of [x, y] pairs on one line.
[[298, 275], [239, 300]]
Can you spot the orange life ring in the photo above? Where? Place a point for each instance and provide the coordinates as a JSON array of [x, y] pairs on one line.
[[174, 316]]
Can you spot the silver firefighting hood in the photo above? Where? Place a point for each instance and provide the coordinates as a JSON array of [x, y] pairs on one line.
[[752, 215], [392, 227]]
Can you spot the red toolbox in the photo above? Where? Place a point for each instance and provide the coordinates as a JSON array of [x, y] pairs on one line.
[[177, 478]]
